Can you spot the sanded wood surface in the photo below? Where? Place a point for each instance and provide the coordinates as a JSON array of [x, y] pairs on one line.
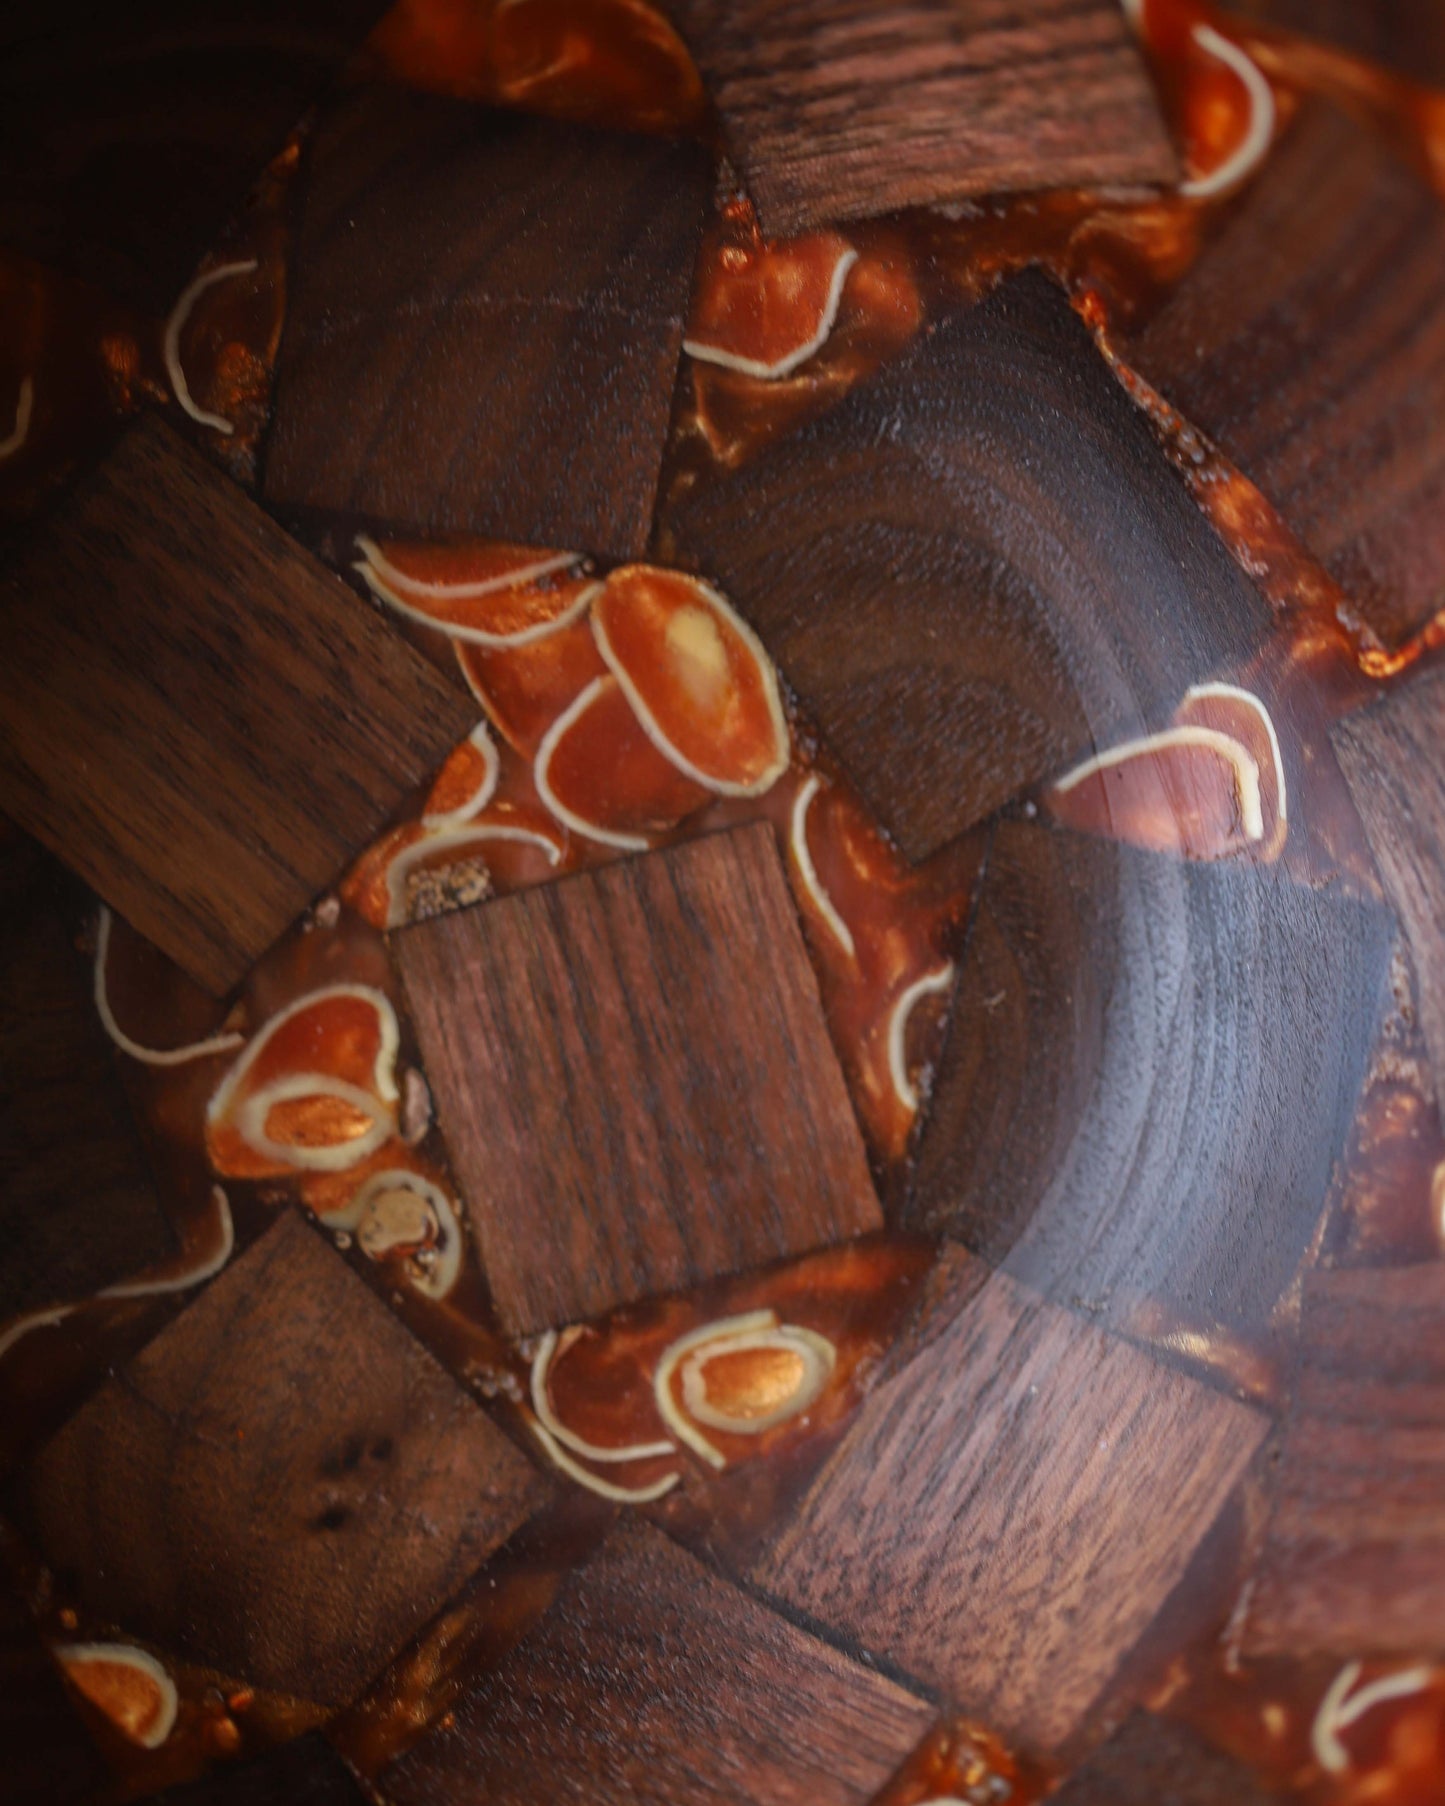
[[194, 715], [992, 1523], [77, 1207], [484, 322], [975, 567], [651, 1683], [133, 130], [635, 1081], [1391, 757], [1150, 1070], [1309, 341], [49, 1759], [836, 109], [1354, 1558], [284, 1484], [306, 1772], [1150, 1761]]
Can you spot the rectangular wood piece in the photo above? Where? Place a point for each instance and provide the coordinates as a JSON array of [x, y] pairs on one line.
[[1390, 755], [974, 569], [484, 323], [1309, 342], [651, 1682], [634, 1079], [839, 109], [992, 1523], [1142, 1094], [284, 1484], [194, 715], [1354, 1556]]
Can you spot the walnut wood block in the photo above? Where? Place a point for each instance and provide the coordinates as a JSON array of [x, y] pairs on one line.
[[1150, 1761], [194, 715], [306, 1772], [49, 1759], [77, 1207], [1390, 755], [133, 130], [1150, 1071], [635, 1081], [836, 109], [1012, 1508], [974, 567], [1406, 35], [1354, 1559], [484, 323], [653, 1683], [284, 1484], [1309, 342]]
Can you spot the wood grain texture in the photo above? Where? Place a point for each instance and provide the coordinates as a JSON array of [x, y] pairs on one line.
[[1354, 1558], [838, 109], [1309, 342], [635, 1080], [306, 1772], [975, 567], [194, 715], [653, 1683], [1012, 1508], [1151, 1761], [133, 130], [284, 1484], [1150, 1071], [49, 1759], [77, 1207], [1390, 755], [484, 324], [1405, 35]]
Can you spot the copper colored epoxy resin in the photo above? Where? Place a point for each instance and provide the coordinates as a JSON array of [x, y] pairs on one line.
[[846, 1203]]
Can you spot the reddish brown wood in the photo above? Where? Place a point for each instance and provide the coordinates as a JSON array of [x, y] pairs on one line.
[[484, 323], [650, 1683], [1150, 1761], [133, 130], [1012, 1508], [1354, 1559], [1391, 757], [284, 1484], [196, 716], [635, 1081], [49, 1759], [975, 567], [1151, 1068], [837, 109], [1309, 342], [77, 1207], [1406, 35], [306, 1772]]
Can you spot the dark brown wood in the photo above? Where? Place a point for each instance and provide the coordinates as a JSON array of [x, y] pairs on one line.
[[1151, 1068], [484, 323], [1309, 342], [306, 1772], [1391, 757], [133, 130], [1405, 35], [1150, 1761], [284, 1484], [975, 567], [77, 1207], [1354, 1559], [838, 109], [194, 715], [1012, 1508], [635, 1080], [49, 1759], [653, 1683]]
